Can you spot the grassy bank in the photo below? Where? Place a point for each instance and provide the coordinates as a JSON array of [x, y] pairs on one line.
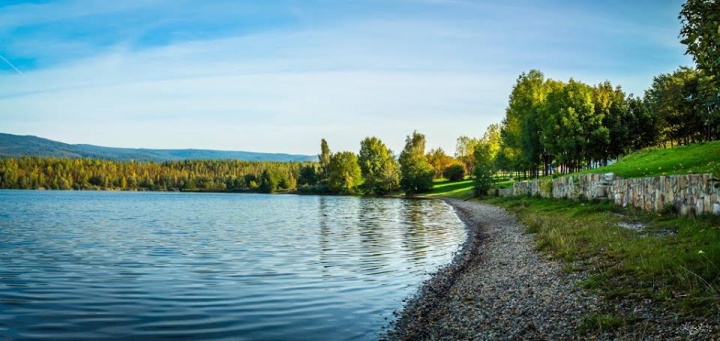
[[452, 189], [461, 189], [690, 159], [673, 261]]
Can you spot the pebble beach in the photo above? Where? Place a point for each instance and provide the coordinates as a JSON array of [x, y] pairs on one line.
[[500, 288]]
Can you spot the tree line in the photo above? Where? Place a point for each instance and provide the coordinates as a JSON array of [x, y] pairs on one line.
[[210, 175], [565, 126], [552, 125], [375, 170]]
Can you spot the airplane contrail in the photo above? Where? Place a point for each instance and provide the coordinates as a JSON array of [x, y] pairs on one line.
[[11, 65]]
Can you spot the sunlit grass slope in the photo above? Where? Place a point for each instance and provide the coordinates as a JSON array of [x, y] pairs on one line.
[[456, 189], [692, 159]]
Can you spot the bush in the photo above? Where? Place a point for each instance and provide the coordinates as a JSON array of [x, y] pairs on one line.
[[455, 172]]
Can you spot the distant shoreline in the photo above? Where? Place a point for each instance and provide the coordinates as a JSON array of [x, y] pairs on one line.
[[389, 196]]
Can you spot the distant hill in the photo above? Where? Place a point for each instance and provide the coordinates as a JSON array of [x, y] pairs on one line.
[[17, 146]]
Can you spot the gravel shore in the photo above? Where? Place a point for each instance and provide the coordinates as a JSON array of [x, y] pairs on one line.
[[500, 287]]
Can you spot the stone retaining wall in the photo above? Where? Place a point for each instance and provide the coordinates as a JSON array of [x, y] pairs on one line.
[[688, 194]]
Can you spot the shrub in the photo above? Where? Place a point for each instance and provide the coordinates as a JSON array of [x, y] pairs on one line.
[[454, 172]]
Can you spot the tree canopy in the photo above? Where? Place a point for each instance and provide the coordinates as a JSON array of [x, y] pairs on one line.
[[417, 174], [324, 158], [344, 175], [700, 33], [378, 166]]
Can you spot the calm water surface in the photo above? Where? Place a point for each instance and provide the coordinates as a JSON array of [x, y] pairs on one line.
[[89, 265]]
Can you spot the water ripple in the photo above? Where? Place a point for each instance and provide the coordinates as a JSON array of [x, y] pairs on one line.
[[89, 265]]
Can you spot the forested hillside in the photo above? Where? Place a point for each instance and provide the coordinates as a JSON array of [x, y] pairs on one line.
[[214, 175], [19, 146]]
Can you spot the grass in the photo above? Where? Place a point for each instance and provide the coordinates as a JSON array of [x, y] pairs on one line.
[[680, 269], [691, 159], [462, 189], [597, 323], [504, 183], [452, 189]]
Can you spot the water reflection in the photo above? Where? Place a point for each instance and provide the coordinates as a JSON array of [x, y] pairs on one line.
[[88, 265], [375, 240], [325, 234], [415, 227]]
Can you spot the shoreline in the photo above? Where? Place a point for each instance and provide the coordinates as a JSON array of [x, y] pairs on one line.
[[496, 287], [433, 290], [499, 286]]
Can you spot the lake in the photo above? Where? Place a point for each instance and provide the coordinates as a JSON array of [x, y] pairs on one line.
[[130, 265]]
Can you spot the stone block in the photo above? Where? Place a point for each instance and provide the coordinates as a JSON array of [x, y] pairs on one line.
[[678, 205], [684, 209]]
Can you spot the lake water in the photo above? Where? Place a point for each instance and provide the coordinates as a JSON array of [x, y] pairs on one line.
[[123, 265]]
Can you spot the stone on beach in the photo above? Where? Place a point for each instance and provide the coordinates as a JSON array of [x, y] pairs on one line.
[[500, 287]]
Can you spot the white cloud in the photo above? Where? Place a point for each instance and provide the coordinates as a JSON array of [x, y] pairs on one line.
[[281, 91], [262, 84]]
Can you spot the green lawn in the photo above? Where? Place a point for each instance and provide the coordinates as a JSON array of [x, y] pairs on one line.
[[461, 189], [692, 159], [456, 189], [505, 183]]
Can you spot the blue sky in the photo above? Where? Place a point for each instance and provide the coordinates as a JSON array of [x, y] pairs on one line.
[[277, 76]]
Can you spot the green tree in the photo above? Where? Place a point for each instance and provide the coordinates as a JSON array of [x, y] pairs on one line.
[[287, 181], [679, 118], [308, 176], [439, 161], [378, 167], [641, 128], [269, 181], [344, 173], [417, 174], [700, 32], [493, 139], [527, 96], [251, 181], [611, 104], [324, 158], [464, 149], [484, 170], [568, 123]]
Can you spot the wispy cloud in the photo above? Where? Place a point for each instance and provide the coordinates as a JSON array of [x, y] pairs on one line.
[[278, 79], [11, 65]]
